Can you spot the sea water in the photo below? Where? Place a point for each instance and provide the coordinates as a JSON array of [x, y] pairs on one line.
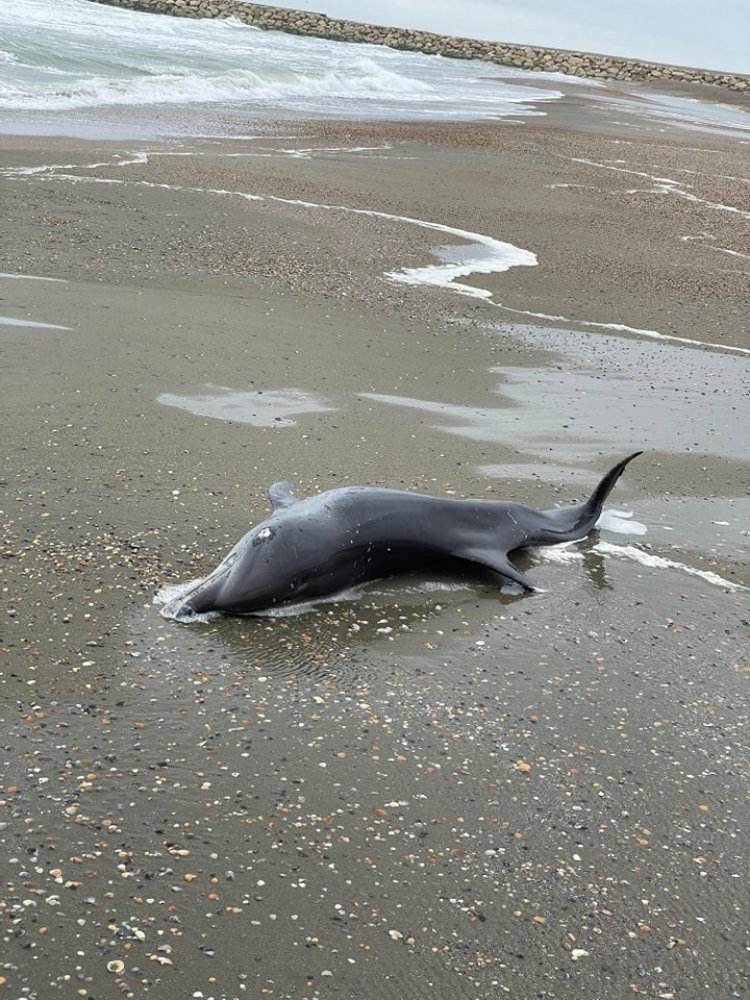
[[82, 68], [63, 60]]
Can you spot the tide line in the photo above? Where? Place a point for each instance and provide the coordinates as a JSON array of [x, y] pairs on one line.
[[664, 185], [502, 256], [483, 255]]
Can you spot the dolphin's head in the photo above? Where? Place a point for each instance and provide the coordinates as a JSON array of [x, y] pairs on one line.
[[259, 572]]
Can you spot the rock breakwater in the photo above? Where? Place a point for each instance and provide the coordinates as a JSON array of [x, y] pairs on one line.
[[531, 57]]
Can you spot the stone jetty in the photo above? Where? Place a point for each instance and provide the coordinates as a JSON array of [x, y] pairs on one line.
[[532, 57]]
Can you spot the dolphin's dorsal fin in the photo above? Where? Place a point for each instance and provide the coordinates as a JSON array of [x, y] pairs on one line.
[[282, 495]]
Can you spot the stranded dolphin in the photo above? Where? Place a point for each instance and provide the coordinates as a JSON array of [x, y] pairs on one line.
[[308, 549]]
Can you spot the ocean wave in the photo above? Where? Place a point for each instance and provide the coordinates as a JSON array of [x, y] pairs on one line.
[[67, 54], [183, 88]]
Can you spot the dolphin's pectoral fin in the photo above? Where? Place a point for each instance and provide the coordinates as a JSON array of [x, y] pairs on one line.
[[282, 495], [498, 562]]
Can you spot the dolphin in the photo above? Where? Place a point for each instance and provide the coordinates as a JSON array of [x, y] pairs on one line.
[[328, 543]]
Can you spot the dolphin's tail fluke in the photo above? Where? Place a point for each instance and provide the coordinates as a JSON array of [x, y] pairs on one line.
[[575, 522]]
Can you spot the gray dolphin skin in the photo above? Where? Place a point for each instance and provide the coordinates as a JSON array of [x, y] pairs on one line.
[[314, 548]]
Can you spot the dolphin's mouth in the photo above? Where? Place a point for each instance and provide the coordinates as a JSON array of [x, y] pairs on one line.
[[196, 598]]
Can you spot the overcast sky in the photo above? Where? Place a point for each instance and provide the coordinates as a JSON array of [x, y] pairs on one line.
[[711, 34]]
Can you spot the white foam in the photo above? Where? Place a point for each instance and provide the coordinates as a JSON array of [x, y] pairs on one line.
[[732, 253], [171, 595], [305, 607], [384, 151], [562, 554], [484, 255], [170, 592], [621, 522], [662, 185], [652, 561], [493, 257]]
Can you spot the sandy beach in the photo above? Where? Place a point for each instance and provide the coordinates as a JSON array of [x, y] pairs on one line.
[[434, 786]]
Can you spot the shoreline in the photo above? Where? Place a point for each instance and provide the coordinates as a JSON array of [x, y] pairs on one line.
[[520, 56], [664, 110]]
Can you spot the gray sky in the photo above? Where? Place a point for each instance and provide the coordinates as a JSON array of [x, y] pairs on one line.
[[702, 33]]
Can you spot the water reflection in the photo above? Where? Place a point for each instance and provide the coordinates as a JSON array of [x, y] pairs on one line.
[[617, 392]]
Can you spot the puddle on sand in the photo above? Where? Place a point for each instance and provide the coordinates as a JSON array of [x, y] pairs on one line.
[[260, 408], [605, 394]]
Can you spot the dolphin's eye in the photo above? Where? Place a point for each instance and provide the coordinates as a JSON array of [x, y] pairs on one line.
[[263, 535]]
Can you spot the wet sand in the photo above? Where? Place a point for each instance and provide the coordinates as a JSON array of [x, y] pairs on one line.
[[433, 786]]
